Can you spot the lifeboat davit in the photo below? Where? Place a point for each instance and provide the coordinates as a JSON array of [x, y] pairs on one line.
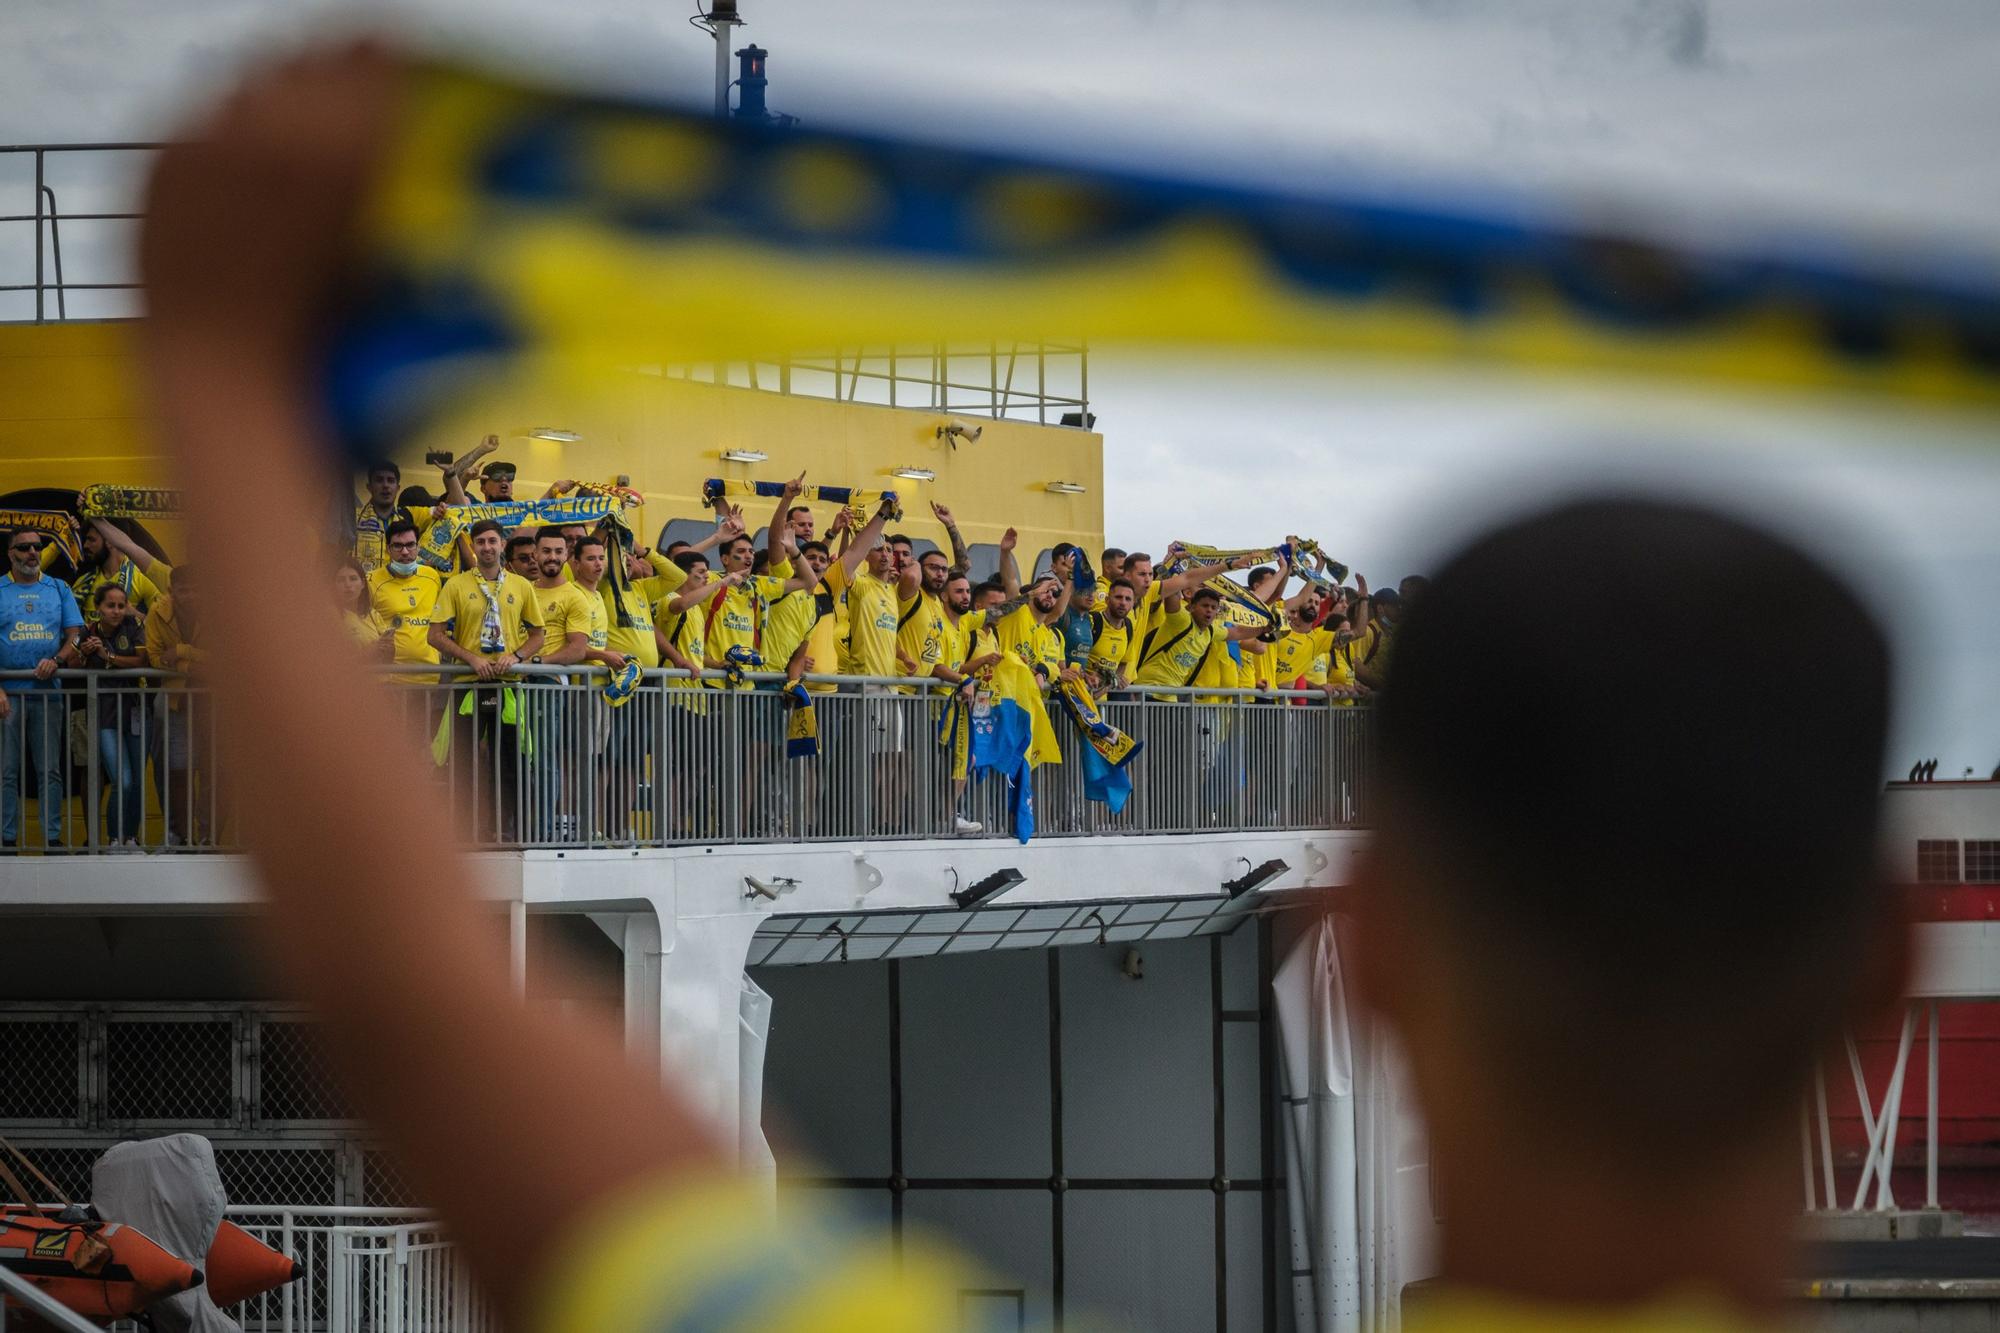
[[101, 1270], [240, 1266]]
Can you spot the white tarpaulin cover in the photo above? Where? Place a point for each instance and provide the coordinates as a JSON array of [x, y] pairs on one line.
[[1356, 1174], [169, 1189]]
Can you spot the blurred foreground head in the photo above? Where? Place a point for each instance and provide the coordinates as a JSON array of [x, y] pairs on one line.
[[1625, 879]]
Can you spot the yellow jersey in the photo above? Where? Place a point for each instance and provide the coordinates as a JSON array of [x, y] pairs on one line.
[[686, 631], [1302, 655], [871, 628], [1019, 632], [1175, 651], [920, 631], [1110, 645], [628, 616], [736, 619], [565, 611], [471, 606], [405, 605], [366, 631], [787, 621]]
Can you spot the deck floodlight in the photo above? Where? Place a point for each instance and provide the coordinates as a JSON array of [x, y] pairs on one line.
[[744, 455], [996, 883], [1255, 878], [774, 888], [1065, 488], [914, 474], [1079, 420], [552, 435]]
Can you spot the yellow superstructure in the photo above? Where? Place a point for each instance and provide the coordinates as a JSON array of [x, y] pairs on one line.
[[71, 413]]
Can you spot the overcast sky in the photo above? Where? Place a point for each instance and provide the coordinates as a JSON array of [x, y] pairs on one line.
[[1850, 116]]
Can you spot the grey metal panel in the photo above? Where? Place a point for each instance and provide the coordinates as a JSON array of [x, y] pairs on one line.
[[826, 1072], [1008, 1232], [872, 1211], [1242, 1103], [1243, 1218], [1239, 968], [1140, 1259], [976, 1065], [1137, 1062]]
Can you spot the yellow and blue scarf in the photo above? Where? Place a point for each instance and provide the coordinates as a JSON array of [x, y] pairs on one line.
[[512, 226], [1107, 751], [851, 498], [441, 537]]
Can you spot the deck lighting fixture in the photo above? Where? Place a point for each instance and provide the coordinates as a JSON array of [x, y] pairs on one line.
[[774, 888], [1255, 878], [1065, 488], [996, 883], [1079, 420], [914, 474], [552, 435], [744, 455]]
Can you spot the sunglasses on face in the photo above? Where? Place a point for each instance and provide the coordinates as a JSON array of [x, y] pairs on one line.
[[27, 547]]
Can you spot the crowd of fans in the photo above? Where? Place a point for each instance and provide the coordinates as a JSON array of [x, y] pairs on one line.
[[731, 610]]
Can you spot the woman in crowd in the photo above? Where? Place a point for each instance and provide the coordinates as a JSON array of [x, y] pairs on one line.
[[114, 639]]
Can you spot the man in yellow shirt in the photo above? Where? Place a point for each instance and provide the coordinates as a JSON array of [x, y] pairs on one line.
[[110, 555], [920, 620], [567, 620], [488, 619], [1149, 608], [1107, 665], [402, 594], [1174, 652], [380, 512], [737, 620]]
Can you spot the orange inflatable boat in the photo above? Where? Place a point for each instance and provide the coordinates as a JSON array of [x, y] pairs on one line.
[[101, 1270], [240, 1266]]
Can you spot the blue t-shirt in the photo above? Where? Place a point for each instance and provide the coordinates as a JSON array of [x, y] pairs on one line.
[[1074, 626], [33, 617]]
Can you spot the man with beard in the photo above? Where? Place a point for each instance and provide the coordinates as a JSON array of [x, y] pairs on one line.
[[381, 511], [110, 555]]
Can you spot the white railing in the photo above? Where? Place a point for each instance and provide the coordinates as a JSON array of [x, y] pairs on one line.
[[364, 1270]]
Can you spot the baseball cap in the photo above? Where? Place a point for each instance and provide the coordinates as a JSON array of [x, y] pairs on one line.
[[497, 471]]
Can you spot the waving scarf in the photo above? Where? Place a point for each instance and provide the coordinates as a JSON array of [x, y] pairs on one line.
[[57, 526], [442, 535], [1107, 750], [129, 501], [1005, 731], [507, 223], [851, 498], [801, 724]]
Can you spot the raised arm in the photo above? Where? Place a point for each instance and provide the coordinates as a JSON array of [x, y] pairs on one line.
[[961, 554], [1195, 575], [121, 541], [245, 222], [785, 498], [864, 541], [1010, 572]]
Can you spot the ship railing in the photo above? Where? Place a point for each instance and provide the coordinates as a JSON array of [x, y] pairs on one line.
[[129, 761]]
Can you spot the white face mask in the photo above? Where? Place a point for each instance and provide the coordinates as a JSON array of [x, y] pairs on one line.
[[402, 569]]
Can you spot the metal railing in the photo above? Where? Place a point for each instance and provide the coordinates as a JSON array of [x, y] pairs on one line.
[[40, 290], [113, 761], [1048, 381], [363, 1270], [366, 1270]]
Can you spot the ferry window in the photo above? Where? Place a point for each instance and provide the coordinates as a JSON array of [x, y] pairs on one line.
[[685, 530], [985, 561], [1042, 561], [1982, 862], [1937, 860]]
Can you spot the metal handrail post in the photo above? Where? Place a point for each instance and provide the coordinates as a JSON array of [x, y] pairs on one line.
[[1931, 1117], [92, 778], [40, 181], [55, 246]]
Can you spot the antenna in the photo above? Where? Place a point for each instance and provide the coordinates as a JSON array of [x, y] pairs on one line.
[[718, 19]]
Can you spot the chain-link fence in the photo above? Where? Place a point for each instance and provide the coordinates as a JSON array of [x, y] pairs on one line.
[[75, 1079], [544, 761]]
